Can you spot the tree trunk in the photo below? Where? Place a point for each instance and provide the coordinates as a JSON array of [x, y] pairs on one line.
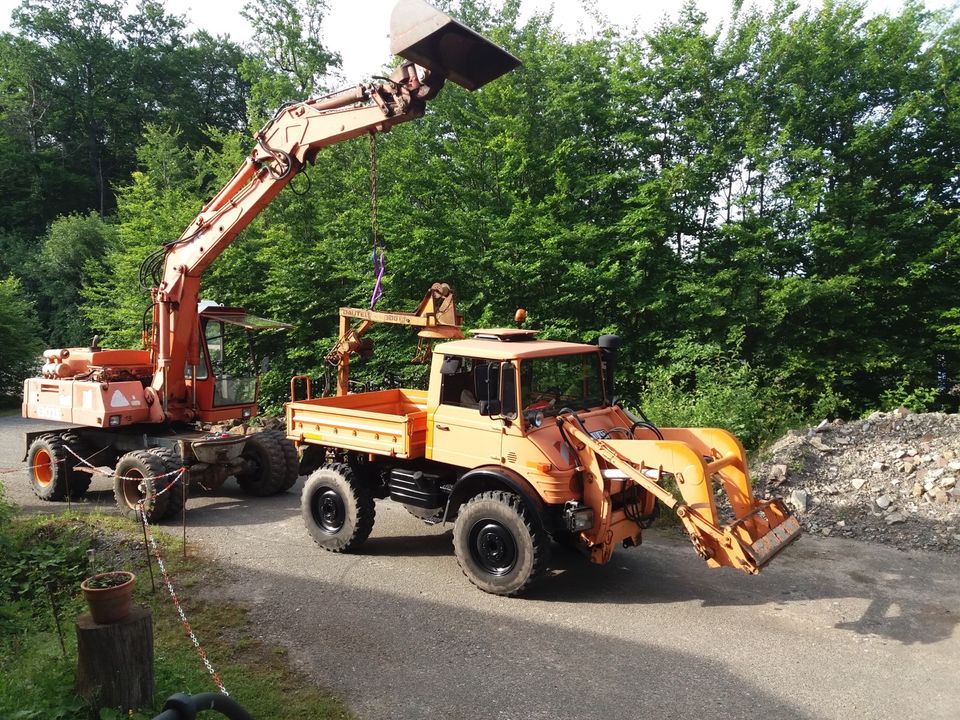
[[115, 662]]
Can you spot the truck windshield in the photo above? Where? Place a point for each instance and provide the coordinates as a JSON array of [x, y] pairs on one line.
[[548, 384]]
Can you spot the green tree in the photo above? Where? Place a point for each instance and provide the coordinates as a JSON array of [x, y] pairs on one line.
[[20, 343], [290, 61], [71, 250]]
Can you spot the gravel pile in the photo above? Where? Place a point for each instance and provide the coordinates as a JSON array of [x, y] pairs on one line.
[[892, 478]]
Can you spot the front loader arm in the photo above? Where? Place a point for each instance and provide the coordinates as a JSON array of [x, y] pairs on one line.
[[696, 458]]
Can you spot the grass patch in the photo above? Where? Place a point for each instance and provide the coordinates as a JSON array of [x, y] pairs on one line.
[[39, 555]]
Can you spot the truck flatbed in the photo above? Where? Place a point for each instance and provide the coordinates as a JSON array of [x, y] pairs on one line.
[[385, 422]]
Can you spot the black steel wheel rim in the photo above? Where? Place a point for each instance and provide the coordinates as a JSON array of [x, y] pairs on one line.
[[493, 547], [329, 511]]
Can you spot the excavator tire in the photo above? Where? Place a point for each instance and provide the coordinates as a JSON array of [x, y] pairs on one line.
[[49, 465], [500, 548], [79, 480], [337, 508], [175, 495], [291, 459], [268, 473], [136, 478]]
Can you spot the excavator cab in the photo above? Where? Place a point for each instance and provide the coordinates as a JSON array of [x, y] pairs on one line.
[[227, 374]]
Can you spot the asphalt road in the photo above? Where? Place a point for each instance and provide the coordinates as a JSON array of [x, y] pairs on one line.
[[832, 629]]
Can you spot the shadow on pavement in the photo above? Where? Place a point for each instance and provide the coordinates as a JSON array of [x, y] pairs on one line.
[[899, 609], [408, 657]]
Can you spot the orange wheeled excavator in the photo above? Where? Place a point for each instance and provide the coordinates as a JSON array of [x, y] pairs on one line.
[[140, 411]]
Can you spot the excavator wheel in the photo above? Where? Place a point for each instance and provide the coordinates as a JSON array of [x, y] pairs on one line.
[[267, 471], [291, 459], [79, 480], [500, 548], [51, 468], [136, 478], [337, 508], [176, 496]]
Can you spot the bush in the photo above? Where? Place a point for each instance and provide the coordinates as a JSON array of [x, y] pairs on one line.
[[703, 385], [917, 399]]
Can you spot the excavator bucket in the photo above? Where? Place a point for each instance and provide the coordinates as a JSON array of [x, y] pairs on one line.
[[432, 39]]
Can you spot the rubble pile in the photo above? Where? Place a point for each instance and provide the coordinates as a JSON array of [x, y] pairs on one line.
[[892, 478]]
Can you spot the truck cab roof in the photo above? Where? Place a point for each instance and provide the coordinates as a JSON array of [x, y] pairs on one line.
[[510, 344]]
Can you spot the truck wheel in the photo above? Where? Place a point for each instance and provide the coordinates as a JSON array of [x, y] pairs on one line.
[[337, 509], [499, 549], [175, 495], [49, 464], [266, 472], [135, 480], [79, 480]]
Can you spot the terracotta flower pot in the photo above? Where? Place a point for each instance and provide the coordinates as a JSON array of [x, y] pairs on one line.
[[109, 595]]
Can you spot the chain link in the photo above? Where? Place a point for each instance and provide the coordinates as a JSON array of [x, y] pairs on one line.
[[377, 255], [168, 583]]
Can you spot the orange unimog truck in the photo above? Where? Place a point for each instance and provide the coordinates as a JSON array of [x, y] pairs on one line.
[[519, 440]]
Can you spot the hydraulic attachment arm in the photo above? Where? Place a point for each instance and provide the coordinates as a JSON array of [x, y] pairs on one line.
[[697, 459], [436, 315]]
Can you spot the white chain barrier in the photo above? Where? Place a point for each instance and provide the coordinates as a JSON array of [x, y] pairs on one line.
[[178, 477]]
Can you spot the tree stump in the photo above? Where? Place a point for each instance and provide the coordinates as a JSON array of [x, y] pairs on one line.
[[115, 662]]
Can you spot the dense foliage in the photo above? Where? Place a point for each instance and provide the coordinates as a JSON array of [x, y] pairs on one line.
[[768, 212]]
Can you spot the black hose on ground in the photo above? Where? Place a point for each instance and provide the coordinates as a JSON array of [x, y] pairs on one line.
[[185, 707]]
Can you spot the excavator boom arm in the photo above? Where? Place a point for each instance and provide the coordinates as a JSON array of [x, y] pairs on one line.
[[440, 46]]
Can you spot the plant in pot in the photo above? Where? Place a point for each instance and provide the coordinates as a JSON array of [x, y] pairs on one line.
[[109, 595]]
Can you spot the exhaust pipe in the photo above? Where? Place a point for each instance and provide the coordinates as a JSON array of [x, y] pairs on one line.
[[609, 345], [432, 39]]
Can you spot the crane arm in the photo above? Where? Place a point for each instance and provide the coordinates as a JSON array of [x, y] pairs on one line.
[[285, 145], [436, 314]]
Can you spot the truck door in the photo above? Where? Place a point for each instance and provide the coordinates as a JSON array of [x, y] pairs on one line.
[[461, 435]]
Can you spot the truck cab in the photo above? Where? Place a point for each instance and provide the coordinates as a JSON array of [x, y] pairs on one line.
[[494, 398]]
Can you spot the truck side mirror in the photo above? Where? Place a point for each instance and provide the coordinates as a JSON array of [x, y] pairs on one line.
[[489, 407]]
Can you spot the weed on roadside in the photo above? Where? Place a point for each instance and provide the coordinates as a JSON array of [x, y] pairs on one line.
[[43, 560]]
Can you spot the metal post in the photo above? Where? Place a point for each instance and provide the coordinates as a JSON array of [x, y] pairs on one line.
[[146, 549], [56, 618], [183, 510]]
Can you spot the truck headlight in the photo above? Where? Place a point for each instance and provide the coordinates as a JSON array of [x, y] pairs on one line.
[[577, 517], [114, 420]]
